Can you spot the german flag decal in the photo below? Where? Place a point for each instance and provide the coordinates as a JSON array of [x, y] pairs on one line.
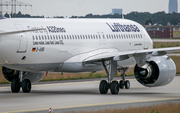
[[33, 49]]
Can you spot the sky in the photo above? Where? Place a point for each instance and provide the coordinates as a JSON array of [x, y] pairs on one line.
[[68, 8]]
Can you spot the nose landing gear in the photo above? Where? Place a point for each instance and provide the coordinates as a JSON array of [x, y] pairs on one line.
[[16, 84]]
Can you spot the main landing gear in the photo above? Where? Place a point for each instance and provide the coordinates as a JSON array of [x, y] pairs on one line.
[[16, 84], [114, 86]]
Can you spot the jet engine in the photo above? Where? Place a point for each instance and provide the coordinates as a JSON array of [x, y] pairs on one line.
[[158, 71], [10, 74]]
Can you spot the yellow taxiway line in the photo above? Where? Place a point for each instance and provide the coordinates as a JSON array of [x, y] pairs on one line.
[[90, 105]]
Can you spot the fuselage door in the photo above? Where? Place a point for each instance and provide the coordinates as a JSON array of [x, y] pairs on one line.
[[145, 41], [23, 40]]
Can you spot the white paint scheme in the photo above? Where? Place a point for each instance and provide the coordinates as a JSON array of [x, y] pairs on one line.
[[81, 45], [15, 46]]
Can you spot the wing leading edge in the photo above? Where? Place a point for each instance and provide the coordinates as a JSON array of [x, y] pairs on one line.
[[138, 55]]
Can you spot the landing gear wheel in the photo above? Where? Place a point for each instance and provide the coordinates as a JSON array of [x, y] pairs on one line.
[[121, 84], [103, 89], [26, 85], [127, 84], [114, 87], [15, 86]]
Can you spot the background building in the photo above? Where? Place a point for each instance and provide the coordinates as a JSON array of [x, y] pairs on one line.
[[163, 31], [117, 11], [173, 6]]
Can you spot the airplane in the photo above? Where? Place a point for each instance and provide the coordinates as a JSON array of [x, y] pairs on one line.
[[31, 48]]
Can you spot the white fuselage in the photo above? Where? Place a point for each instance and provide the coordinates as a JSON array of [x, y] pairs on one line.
[[65, 43]]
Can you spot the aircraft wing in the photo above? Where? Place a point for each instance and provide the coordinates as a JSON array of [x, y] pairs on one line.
[[119, 56], [19, 31]]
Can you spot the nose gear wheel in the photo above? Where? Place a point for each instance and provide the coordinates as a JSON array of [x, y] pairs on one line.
[[16, 84]]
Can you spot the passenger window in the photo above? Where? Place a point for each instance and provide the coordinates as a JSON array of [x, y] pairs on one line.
[[73, 37], [109, 36], [96, 37], [39, 37], [99, 37], [33, 38], [78, 37], [103, 37]]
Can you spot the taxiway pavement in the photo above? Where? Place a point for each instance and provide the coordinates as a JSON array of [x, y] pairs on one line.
[[84, 95]]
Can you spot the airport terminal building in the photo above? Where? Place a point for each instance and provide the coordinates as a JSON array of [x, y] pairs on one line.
[[163, 31]]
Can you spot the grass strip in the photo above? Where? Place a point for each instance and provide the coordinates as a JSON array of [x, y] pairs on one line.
[[157, 108]]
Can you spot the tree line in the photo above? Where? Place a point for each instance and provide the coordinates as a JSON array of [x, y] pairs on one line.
[[143, 18]]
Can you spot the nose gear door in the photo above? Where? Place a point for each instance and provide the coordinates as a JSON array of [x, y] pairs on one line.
[[23, 40]]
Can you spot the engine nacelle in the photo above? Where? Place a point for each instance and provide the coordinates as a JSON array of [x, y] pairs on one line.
[[10, 74], [158, 71]]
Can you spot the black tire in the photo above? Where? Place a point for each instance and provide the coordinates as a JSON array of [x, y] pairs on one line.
[[26, 85], [15, 86], [121, 84], [127, 84], [103, 89], [114, 87]]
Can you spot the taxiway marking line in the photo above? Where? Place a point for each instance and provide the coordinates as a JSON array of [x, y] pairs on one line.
[[90, 105]]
